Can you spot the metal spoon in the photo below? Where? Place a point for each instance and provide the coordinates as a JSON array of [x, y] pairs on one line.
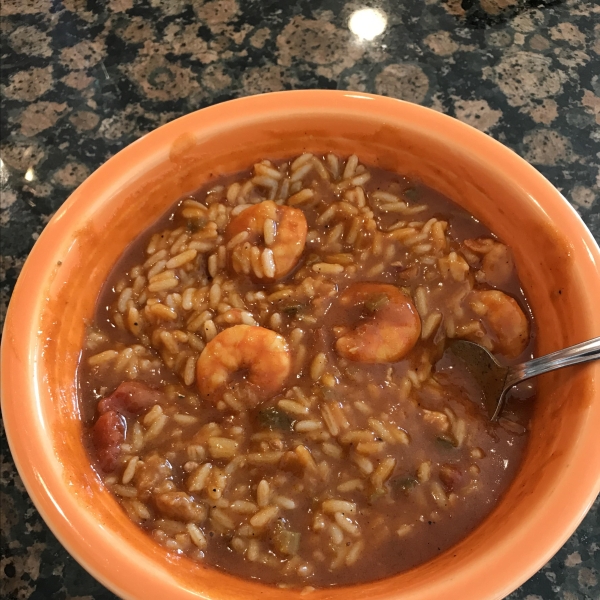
[[495, 380]]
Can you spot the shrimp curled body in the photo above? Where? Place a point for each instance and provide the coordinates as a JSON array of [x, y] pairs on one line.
[[262, 352], [505, 321], [267, 239], [497, 264], [391, 330]]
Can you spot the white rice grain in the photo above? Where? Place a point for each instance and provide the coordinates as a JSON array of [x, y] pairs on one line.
[[189, 372], [237, 239], [152, 260], [334, 165], [263, 492], [328, 268], [350, 486], [240, 208], [308, 425], [233, 402], [210, 330], [363, 463], [220, 517], [197, 480], [264, 516], [124, 297], [430, 324], [214, 295], [102, 357], [269, 231], [275, 321], [383, 472], [268, 171], [293, 407], [129, 471], [196, 322], [160, 311], [187, 298], [185, 420], [336, 534], [268, 263], [354, 553], [360, 179], [163, 285], [421, 301], [256, 260], [301, 160], [317, 367], [197, 537], [404, 530], [350, 167], [244, 507], [284, 502], [341, 506], [346, 524], [300, 197], [253, 551], [232, 192], [181, 259], [152, 415], [221, 447], [134, 321], [155, 429]]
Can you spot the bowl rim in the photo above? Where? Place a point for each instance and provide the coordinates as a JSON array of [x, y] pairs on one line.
[[45, 489]]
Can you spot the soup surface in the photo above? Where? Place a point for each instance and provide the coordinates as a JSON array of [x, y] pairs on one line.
[[264, 386]]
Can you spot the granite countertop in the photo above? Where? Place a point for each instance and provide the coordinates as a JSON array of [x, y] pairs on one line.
[[81, 79]]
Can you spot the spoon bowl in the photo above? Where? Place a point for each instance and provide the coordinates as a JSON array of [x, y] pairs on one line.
[[495, 380]]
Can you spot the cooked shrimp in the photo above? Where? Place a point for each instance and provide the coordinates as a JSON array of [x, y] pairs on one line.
[[505, 320], [275, 240], [390, 328], [497, 265], [264, 354]]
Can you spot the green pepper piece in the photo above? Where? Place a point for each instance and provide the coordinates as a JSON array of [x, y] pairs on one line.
[[374, 303], [403, 484], [194, 225], [288, 542], [292, 310], [284, 540], [446, 442], [378, 493], [273, 418], [327, 393], [411, 193]]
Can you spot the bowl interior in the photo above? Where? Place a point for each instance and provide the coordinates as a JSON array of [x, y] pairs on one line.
[[557, 263]]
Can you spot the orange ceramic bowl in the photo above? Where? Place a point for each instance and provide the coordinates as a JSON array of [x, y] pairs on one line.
[[558, 263]]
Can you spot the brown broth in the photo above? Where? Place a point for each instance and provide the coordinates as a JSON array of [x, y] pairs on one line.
[[432, 528]]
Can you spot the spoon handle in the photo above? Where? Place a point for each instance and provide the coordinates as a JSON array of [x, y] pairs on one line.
[[579, 353]]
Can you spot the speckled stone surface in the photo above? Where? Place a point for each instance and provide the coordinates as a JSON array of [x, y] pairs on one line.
[[83, 78]]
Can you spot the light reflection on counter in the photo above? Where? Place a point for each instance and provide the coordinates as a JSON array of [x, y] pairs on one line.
[[367, 23], [3, 173]]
